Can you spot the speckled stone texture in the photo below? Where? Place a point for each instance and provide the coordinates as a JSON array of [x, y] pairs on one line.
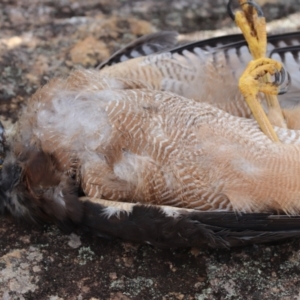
[[43, 39]]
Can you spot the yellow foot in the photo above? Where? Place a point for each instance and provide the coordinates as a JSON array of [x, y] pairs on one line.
[[250, 85], [251, 21]]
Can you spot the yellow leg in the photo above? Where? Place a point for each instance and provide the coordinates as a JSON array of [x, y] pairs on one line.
[[250, 85], [253, 26]]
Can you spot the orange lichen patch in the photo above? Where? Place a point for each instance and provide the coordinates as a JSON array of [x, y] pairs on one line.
[[89, 51], [111, 27], [139, 27]]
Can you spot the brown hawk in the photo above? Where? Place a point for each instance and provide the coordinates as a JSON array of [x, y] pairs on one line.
[[159, 148]]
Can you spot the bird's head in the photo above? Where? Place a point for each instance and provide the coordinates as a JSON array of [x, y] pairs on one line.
[[31, 186]]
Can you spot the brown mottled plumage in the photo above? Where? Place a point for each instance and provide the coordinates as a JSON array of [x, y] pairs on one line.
[[147, 146], [116, 142]]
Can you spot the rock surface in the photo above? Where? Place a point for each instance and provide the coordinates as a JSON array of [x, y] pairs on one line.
[[42, 39]]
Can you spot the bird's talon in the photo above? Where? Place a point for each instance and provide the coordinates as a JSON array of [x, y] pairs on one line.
[[284, 89], [261, 67], [278, 78], [251, 84], [284, 75], [230, 10], [252, 4]]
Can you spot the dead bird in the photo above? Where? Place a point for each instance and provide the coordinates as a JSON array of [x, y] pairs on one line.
[[112, 152]]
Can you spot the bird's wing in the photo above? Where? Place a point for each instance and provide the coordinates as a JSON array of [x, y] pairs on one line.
[[164, 41], [205, 73], [166, 226]]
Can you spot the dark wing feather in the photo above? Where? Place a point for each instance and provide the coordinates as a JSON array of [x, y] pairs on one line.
[[150, 224], [165, 40], [237, 41], [294, 50], [210, 43]]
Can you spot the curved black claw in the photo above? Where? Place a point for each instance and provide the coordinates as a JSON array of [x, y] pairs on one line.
[[258, 9], [230, 10], [285, 88], [282, 77]]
